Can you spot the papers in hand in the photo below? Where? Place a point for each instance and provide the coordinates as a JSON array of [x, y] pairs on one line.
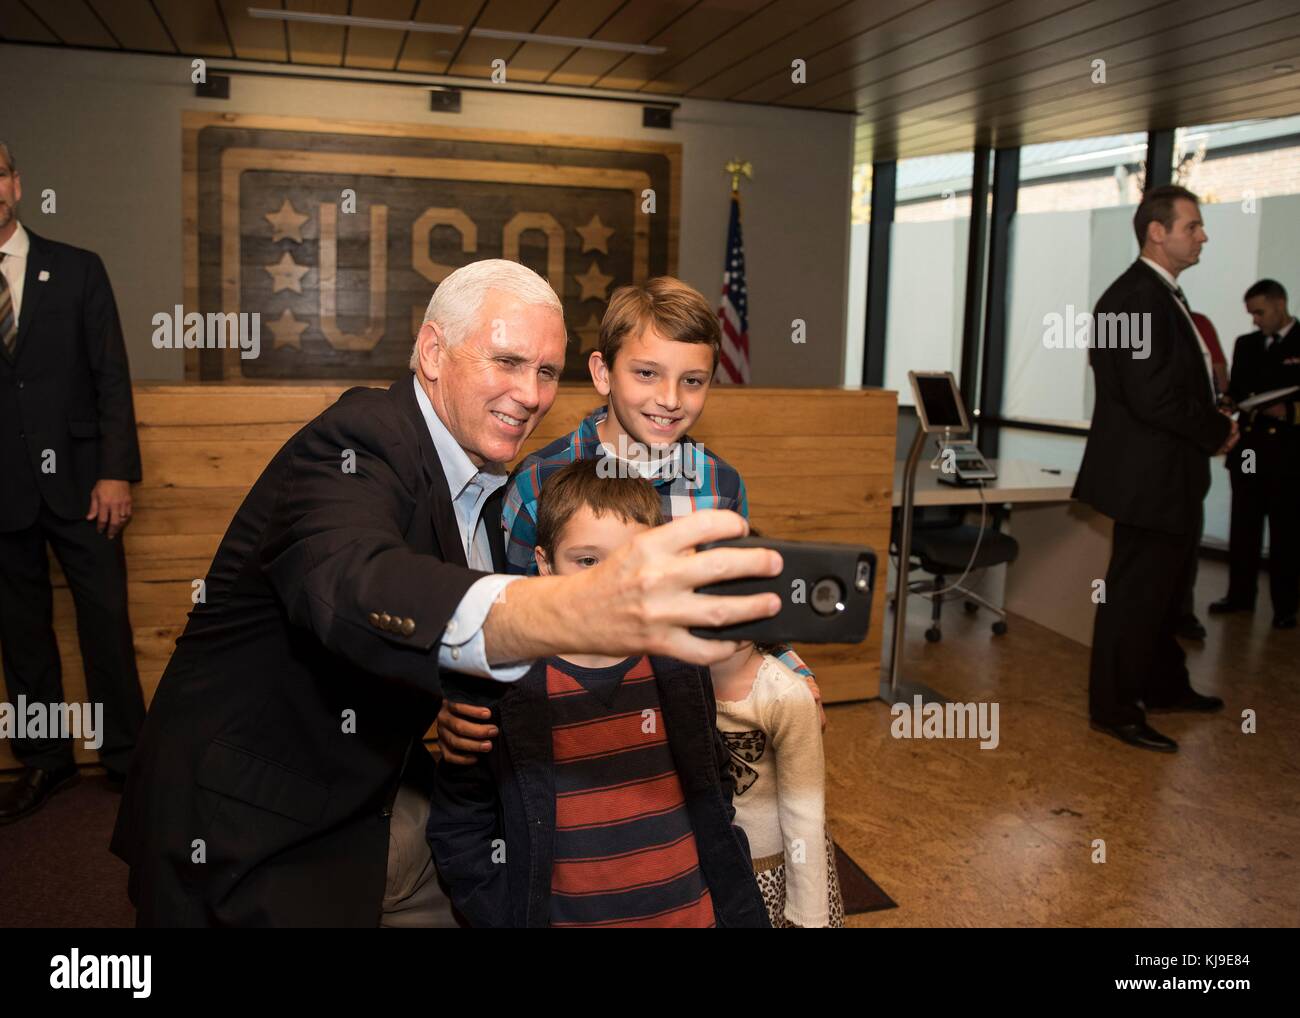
[[1263, 399]]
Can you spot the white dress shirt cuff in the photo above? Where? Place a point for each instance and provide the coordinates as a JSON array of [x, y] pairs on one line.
[[463, 648]]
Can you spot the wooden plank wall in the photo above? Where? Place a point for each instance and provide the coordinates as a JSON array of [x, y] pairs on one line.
[[818, 464]]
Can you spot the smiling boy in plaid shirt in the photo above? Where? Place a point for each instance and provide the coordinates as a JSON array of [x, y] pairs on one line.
[[656, 355], [657, 352]]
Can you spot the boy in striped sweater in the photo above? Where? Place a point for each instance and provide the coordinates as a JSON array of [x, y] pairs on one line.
[[606, 798]]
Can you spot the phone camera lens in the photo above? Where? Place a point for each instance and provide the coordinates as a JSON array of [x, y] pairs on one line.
[[827, 596]]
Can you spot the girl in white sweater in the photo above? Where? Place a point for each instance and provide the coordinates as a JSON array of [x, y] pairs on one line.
[[772, 726]]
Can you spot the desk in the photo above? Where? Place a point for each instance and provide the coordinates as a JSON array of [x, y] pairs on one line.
[[1018, 481], [1064, 545]]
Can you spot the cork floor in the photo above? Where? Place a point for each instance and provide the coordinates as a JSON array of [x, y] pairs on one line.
[[960, 836]]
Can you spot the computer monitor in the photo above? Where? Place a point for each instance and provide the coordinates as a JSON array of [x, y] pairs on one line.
[[938, 401]]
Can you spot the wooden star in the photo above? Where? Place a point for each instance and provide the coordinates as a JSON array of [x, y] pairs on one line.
[[286, 222], [595, 235], [594, 283], [287, 330], [286, 274], [589, 335]]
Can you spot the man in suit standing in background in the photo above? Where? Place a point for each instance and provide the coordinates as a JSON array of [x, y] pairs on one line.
[[1146, 466], [68, 454], [1265, 470]]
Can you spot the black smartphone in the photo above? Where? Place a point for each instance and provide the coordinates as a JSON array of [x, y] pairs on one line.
[[825, 593]]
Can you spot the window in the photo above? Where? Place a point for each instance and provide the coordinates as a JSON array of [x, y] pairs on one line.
[[927, 274], [1071, 236]]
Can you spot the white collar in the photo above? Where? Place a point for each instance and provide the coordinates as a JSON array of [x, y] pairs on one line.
[[18, 244], [1163, 272], [458, 468]]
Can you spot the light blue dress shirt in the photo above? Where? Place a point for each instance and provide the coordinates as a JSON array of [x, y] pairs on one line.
[[462, 648]]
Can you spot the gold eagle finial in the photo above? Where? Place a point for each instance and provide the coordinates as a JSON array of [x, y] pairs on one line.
[[737, 169]]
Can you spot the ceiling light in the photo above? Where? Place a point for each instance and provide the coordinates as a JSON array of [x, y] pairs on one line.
[[354, 21], [565, 40]]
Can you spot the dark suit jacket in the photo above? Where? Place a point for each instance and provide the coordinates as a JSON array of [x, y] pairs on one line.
[[1154, 425], [66, 389], [1255, 370], [509, 794], [245, 744]]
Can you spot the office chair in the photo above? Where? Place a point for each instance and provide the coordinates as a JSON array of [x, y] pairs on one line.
[[942, 545]]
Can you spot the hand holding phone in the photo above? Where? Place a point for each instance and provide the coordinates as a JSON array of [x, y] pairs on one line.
[[825, 592]]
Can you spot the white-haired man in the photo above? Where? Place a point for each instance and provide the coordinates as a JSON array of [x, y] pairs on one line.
[[280, 777]]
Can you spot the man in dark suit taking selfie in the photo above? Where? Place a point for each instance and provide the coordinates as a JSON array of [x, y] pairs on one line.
[[282, 779]]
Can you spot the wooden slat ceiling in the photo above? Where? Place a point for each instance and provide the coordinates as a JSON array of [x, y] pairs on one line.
[[923, 76]]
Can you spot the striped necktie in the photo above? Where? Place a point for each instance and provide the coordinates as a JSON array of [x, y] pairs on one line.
[[8, 318]]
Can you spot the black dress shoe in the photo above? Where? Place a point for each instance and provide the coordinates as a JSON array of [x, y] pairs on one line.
[[1190, 628], [1284, 621], [1228, 605], [29, 793], [1190, 702], [1141, 735]]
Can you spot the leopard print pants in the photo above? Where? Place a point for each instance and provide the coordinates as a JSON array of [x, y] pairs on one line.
[[771, 882]]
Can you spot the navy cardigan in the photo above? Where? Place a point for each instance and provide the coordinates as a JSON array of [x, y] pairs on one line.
[[492, 823]]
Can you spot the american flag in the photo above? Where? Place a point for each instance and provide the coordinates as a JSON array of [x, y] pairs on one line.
[[733, 364]]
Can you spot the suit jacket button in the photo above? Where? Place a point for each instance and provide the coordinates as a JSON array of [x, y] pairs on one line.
[[408, 627], [386, 621], [374, 618]]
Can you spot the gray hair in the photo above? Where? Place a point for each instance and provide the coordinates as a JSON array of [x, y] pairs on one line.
[[9, 157], [459, 298]]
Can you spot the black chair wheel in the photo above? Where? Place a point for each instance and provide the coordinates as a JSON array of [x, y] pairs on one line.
[[971, 607], [933, 635], [999, 628]]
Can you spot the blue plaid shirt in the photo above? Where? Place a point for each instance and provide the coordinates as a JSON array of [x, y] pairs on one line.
[[699, 480]]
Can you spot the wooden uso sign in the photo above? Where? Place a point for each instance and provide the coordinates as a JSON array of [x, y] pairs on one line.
[[335, 233]]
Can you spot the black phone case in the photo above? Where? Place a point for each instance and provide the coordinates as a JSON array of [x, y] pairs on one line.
[[798, 621]]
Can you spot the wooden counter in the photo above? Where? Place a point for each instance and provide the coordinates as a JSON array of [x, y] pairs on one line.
[[818, 464]]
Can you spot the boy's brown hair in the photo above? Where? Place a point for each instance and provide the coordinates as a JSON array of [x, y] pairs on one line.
[[675, 310], [582, 484]]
